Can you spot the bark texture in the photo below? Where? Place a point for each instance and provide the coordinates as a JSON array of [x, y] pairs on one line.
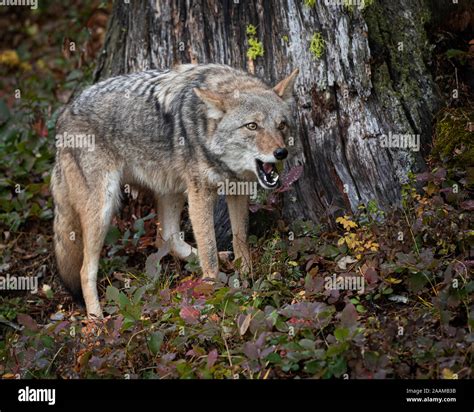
[[370, 77]]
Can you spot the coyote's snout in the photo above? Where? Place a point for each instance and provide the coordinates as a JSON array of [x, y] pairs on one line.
[[179, 133]]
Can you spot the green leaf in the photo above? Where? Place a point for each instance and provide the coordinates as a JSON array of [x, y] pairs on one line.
[[4, 112], [361, 309], [112, 293], [335, 349], [417, 282], [128, 323], [341, 334], [308, 344], [329, 251], [74, 75], [155, 340], [184, 369], [453, 53], [48, 341], [113, 236], [231, 308], [338, 367], [138, 294], [312, 366], [274, 358]]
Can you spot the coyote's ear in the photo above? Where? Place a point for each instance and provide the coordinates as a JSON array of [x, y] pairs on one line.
[[214, 102], [284, 89]]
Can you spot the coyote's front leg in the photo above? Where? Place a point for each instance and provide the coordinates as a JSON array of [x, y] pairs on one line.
[[238, 206], [201, 212]]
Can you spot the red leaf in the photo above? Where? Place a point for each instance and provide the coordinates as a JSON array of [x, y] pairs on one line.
[[189, 314], [371, 275], [254, 207], [291, 177], [424, 177], [468, 205], [27, 321], [349, 316], [440, 174], [211, 358]]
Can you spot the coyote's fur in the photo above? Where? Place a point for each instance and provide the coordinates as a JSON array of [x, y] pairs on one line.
[[179, 133]]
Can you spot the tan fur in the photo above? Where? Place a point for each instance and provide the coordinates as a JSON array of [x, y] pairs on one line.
[[201, 208], [284, 88], [267, 143], [238, 206]]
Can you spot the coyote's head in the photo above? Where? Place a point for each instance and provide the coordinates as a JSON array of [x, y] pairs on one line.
[[252, 125]]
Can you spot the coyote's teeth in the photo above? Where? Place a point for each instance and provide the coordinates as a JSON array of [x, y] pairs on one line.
[[267, 174]]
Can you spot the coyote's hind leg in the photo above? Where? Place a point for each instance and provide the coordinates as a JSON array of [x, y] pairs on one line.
[[95, 221]]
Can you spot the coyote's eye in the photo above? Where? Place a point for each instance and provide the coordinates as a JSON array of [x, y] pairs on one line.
[[282, 126], [251, 126]]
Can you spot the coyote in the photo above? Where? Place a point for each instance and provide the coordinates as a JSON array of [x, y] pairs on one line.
[[178, 133]]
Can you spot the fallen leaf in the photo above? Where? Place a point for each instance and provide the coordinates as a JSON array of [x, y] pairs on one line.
[[27, 321], [244, 323], [349, 316], [189, 314], [212, 358], [346, 260]]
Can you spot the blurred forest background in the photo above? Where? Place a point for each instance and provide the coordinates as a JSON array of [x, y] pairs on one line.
[[415, 317]]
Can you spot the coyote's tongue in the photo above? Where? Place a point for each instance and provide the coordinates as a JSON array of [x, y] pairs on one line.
[[267, 167]]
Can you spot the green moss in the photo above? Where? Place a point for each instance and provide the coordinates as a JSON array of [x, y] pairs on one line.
[[317, 45], [251, 30], [309, 3], [255, 49], [400, 44], [285, 38], [381, 78], [255, 46], [453, 142]]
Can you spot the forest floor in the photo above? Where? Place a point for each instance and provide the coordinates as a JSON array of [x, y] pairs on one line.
[[414, 317]]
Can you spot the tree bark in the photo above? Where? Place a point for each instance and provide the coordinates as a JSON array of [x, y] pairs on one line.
[[370, 78]]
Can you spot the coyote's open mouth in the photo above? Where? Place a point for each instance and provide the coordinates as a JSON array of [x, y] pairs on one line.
[[267, 174]]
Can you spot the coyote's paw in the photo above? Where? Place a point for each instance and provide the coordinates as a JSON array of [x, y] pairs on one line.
[[96, 316], [228, 261], [226, 256], [225, 259], [216, 281]]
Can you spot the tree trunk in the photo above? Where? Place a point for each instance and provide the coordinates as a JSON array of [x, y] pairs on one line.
[[367, 78]]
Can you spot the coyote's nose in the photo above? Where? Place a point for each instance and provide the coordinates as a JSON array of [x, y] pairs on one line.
[[280, 153]]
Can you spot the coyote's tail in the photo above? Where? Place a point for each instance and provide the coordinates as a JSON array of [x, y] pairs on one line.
[[67, 239]]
